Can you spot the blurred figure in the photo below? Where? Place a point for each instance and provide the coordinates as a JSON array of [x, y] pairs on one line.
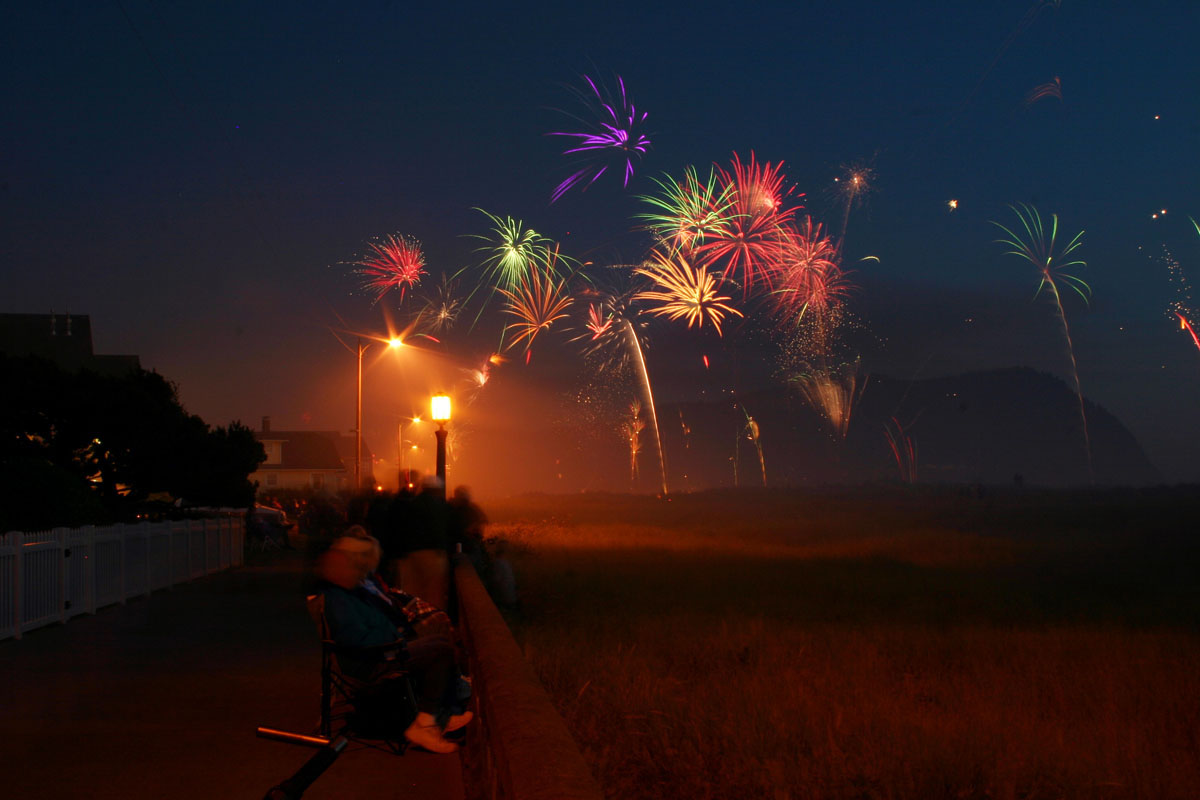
[[361, 615], [421, 544], [465, 523]]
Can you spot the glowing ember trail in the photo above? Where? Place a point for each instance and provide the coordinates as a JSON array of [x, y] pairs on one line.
[[1184, 325]]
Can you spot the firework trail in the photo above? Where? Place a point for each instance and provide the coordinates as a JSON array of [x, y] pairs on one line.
[[684, 291], [475, 379], [853, 185], [537, 303], [833, 393], [1181, 307], [1037, 246], [750, 244], [1026, 21], [1049, 89], [632, 429], [395, 263], [613, 329], [686, 431], [753, 434], [1185, 325], [904, 449], [690, 212], [614, 136]]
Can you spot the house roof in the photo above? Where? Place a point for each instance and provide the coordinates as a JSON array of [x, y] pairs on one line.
[[313, 450]]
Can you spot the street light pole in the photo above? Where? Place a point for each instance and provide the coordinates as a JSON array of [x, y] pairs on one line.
[[358, 421], [393, 343], [441, 415]]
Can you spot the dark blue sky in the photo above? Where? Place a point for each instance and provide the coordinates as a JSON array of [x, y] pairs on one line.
[[195, 175]]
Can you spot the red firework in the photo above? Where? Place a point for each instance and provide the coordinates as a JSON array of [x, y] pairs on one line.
[[396, 263], [753, 242], [808, 276]]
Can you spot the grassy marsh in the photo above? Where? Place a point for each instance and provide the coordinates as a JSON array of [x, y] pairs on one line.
[[874, 643]]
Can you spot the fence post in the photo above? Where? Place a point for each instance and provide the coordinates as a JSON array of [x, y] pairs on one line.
[[120, 531], [91, 568], [147, 546], [64, 573], [18, 614]]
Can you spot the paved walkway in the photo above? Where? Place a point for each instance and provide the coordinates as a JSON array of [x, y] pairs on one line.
[[160, 699]]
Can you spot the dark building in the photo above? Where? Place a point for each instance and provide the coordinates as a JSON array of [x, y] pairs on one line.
[[65, 339]]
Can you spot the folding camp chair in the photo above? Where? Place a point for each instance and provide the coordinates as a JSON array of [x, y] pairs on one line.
[[374, 713]]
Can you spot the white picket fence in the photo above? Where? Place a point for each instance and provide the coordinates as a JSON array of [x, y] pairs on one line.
[[51, 576]]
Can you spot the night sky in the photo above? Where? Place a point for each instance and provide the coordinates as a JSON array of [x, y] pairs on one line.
[[198, 176]]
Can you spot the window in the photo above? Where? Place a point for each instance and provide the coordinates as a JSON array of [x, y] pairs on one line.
[[272, 479], [318, 480]]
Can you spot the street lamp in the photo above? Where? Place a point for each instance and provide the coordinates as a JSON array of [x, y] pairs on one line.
[[393, 343], [440, 413]]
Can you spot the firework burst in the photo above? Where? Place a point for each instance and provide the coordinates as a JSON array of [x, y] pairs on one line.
[[809, 275], [511, 251], [395, 263], [750, 245], [614, 136], [684, 291], [690, 212], [537, 304], [440, 305], [1039, 246]]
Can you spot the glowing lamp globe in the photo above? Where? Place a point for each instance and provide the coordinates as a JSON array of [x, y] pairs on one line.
[[440, 410]]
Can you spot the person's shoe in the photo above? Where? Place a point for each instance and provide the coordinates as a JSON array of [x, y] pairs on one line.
[[458, 721], [424, 732]]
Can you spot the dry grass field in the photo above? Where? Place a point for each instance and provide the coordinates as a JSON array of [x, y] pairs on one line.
[[868, 644]]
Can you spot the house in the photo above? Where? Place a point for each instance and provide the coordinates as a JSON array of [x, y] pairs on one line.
[[320, 460], [65, 339]]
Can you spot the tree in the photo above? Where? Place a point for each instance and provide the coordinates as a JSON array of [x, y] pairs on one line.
[[121, 437]]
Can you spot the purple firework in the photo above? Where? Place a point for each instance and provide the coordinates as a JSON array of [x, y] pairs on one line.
[[615, 136]]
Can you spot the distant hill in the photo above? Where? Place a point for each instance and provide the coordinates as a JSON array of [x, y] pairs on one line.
[[987, 427], [983, 427]]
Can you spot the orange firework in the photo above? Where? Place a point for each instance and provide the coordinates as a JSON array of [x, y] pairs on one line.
[[537, 303], [685, 291]]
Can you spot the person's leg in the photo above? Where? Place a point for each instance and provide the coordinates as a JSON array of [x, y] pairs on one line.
[[430, 660]]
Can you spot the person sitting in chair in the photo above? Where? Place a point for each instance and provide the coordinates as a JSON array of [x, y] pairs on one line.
[[360, 615]]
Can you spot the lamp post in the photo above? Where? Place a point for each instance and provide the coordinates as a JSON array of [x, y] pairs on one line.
[[393, 343], [440, 408]]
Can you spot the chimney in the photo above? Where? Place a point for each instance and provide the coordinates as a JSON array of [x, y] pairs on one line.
[[266, 425]]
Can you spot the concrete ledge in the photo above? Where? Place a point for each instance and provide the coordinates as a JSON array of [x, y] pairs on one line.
[[520, 747]]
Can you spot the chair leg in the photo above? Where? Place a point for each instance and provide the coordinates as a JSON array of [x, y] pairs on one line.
[[326, 698]]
